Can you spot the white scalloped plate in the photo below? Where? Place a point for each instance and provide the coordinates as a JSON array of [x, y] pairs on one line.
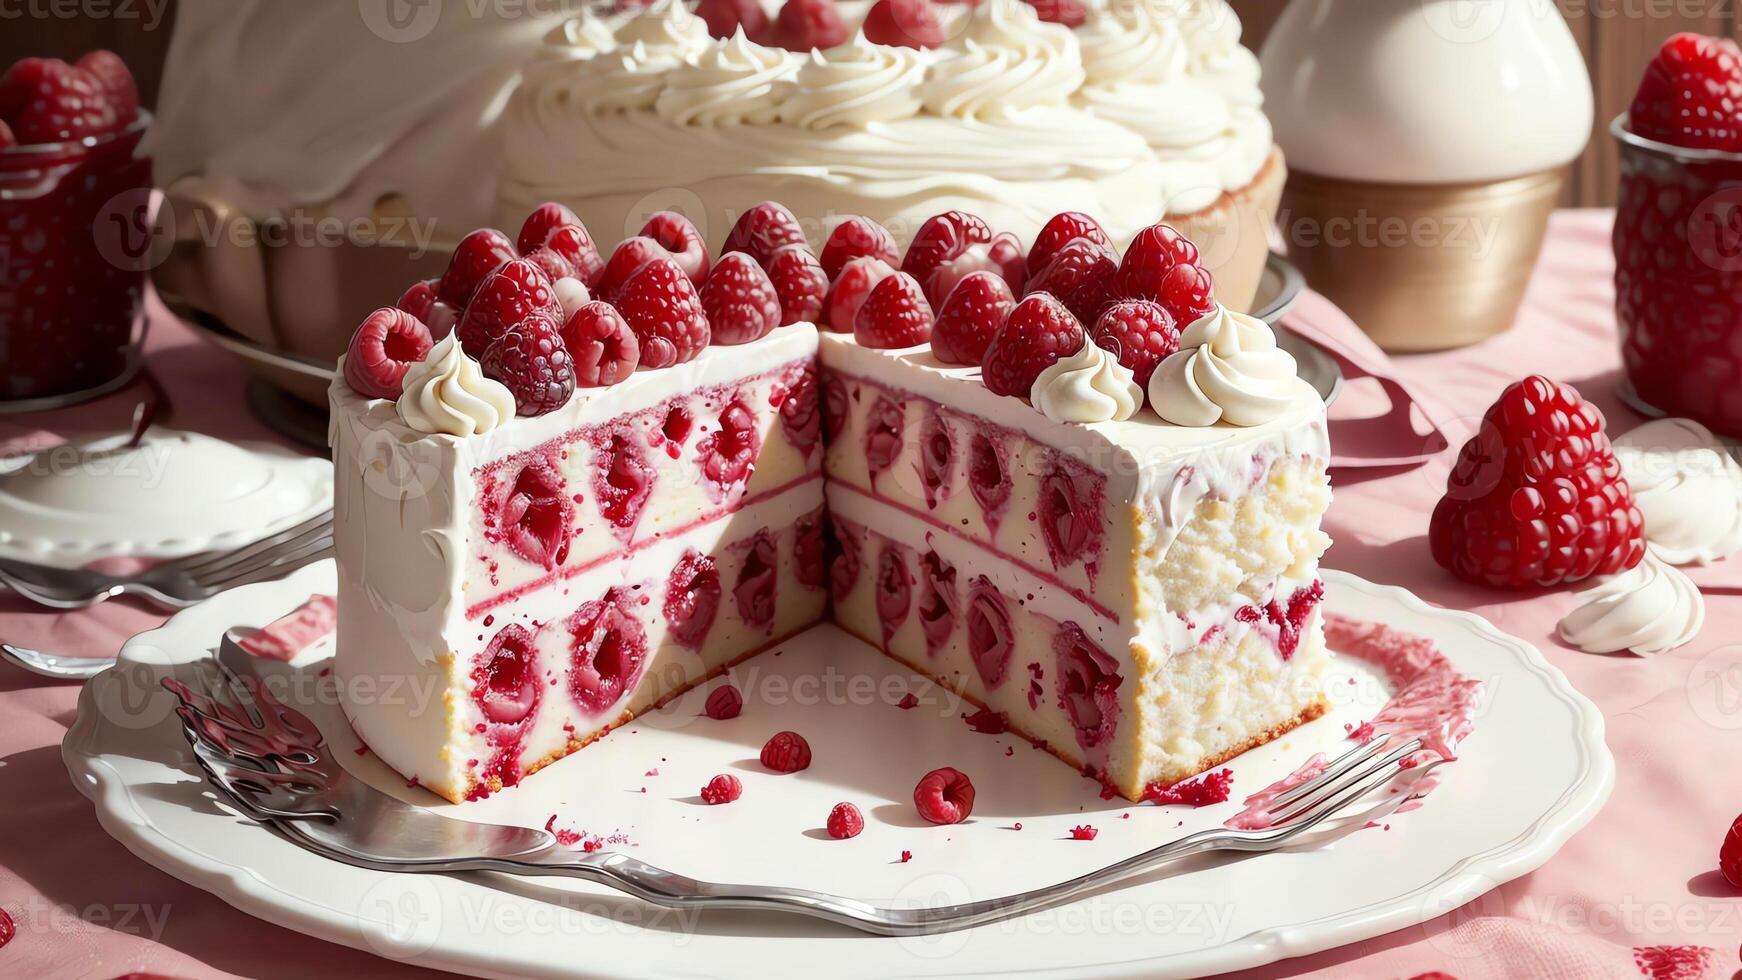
[[1534, 772]]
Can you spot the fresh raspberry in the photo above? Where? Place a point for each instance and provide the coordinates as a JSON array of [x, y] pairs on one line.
[[723, 788], [1038, 332], [972, 315], [724, 702], [763, 229], [537, 515], [806, 25], [504, 298], [478, 254], [944, 796], [576, 246], [630, 257], [1062, 229], [1154, 253], [857, 236], [531, 360], [603, 348], [941, 238], [1071, 13], [1537, 497], [385, 346], [662, 308], [786, 752], [1189, 293], [800, 284], [725, 17], [1083, 832], [1691, 94], [1730, 855], [1002, 255], [905, 24], [894, 316], [49, 101], [692, 601], [538, 226], [739, 301], [553, 265], [7, 139], [850, 288], [845, 821], [678, 236], [423, 301], [1140, 333], [116, 82], [1080, 275]]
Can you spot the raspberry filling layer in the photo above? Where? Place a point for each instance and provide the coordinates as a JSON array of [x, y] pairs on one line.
[[894, 589], [536, 515], [801, 410], [844, 569], [1088, 685], [692, 598], [754, 592], [834, 407], [623, 480], [1071, 513], [609, 652], [810, 549], [1290, 620], [729, 454], [990, 638], [505, 682], [989, 478], [938, 601], [883, 435], [937, 459]]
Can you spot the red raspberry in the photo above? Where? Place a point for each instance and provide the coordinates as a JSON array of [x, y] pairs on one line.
[[894, 316], [112, 76], [805, 25], [855, 237], [478, 254], [630, 257], [739, 301], [1691, 94], [541, 223], [905, 24], [678, 236], [385, 346], [1002, 255], [576, 246], [725, 17], [943, 237], [724, 702], [49, 101], [1189, 293], [1537, 497], [665, 313], [1730, 855], [977, 307], [1140, 333], [850, 288], [422, 301], [763, 229], [1071, 13], [723, 788], [1064, 228], [6, 137], [692, 600], [537, 518], [504, 298], [1675, 962], [799, 282], [549, 262], [1154, 253], [845, 821], [944, 796], [1038, 332], [531, 360], [603, 348], [1083, 832], [786, 752], [1081, 276]]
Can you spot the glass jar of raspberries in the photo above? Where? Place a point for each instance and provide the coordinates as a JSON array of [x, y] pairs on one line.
[[75, 234], [1678, 235]]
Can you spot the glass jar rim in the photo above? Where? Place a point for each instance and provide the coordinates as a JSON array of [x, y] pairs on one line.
[[1627, 137], [86, 143]]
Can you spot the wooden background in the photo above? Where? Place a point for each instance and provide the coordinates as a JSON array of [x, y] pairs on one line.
[[1618, 38]]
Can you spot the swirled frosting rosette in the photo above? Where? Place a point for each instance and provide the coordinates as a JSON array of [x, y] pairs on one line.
[[1228, 369], [855, 84], [1088, 386], [448, 394], [731, 81], [1007, 60]]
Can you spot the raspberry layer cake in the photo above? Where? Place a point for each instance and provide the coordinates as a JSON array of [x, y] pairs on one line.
[[1062, 481], [897, 110]]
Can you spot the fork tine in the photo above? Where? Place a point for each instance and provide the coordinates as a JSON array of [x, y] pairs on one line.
[[254, 556], [1312, 817], [1390, 765], [196, 565], [1335, 768], [278, 566], [42, 597]]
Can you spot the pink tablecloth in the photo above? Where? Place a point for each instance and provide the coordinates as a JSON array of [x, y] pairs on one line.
[[1642, 875]]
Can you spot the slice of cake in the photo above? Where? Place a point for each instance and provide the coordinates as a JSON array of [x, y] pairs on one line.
[[569, 509]]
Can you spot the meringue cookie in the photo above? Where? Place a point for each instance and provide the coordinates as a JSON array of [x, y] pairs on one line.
[[1689, 488], [1089, 386], [1228, 369], [1651, 608], [448, 394]]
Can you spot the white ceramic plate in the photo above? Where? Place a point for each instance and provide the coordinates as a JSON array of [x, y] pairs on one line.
[[1535, 771]]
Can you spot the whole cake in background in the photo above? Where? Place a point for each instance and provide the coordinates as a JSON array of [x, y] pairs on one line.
[[1135, 110]]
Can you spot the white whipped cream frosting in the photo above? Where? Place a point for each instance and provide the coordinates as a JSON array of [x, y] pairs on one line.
[[1088, 386], [1007, 60], [855, 84], [448, 394], [1228, 369], [1689, 488], [1648, 609], [730, 82]]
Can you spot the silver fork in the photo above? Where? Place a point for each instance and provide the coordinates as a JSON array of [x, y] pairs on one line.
[[180, 583], [273, 763]]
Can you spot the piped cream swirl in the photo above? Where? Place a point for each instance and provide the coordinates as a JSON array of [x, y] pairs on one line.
[[1689, 488], [650, 47], [1088, 386], [1007, 60], [447, 393], [855, 84], [1124, 43], [1651, 608], [1228, 369], [732, 81]]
